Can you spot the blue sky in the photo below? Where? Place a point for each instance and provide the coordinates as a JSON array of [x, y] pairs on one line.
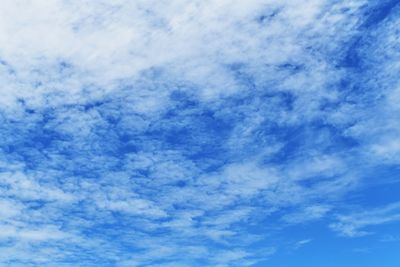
[[200, 133]]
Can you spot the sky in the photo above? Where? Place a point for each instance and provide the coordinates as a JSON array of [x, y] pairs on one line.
[[218, 133]]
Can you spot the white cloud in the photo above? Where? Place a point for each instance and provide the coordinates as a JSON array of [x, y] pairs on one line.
[[143, 131], [301, 243], [307, 214], [354, 225]]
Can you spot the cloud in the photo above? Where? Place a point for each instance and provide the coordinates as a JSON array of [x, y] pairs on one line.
[[164, 134], [301, 243], [307, 214], [353, 225]]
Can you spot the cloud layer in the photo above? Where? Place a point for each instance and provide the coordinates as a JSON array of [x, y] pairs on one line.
[[185, 133]]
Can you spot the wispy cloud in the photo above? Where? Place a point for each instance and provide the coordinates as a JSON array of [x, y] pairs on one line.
[[301, 243], [181, 133], [353, 225]]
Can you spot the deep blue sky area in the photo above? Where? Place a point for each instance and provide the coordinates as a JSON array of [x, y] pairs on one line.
[[260, 133]]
